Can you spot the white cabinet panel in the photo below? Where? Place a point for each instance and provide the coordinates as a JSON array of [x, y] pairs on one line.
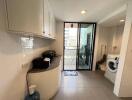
[[25, 16], [52, 24], [30, 17], [46, 19], [54, 27]]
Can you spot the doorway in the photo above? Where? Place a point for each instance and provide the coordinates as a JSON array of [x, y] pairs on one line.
[[79, 41]]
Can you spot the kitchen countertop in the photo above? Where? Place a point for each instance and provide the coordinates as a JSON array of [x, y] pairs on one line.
[[55, 63]]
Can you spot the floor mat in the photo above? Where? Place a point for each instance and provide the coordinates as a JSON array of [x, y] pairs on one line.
[[70, 73]]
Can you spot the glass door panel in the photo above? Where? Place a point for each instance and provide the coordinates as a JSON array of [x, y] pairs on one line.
[[85, 46], [70, 46]]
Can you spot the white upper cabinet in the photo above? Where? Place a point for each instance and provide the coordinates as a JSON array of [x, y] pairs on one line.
[[46, 19], [29, 17], [54, 27], [25, 16], [52, 24]]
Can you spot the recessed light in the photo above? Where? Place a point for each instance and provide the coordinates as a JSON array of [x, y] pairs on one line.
[[122, 20], [83, 11]]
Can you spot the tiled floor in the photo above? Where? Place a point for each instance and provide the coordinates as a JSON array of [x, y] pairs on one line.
[[86, 86]]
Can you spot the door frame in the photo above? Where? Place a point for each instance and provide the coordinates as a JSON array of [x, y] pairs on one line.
[[78, 44]]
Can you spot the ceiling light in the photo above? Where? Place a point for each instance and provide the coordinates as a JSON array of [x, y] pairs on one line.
[[122, 20], [83, 11]]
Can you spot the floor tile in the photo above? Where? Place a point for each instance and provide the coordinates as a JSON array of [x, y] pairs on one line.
[[86, 86]]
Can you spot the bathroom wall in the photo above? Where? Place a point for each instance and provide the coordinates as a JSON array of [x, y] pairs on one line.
[[13, 56]]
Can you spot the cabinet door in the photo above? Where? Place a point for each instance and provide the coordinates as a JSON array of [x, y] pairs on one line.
[[25, 16], [54, 27], [46, 19], [52, 24]]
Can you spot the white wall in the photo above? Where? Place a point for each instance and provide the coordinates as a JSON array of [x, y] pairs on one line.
[[58, 44], [109, 37], [123, 83], [95, 57], [12, 56], [105, 39], [117, 38]]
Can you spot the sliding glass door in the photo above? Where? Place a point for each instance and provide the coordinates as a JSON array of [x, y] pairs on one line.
[[70, 46], [86, 46], [78, 45]]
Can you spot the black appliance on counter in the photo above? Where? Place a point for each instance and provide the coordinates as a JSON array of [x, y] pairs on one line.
[[44, 61], [49, 54], [38, 63]]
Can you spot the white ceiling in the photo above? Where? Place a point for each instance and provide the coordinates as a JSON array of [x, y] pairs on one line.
[[115, 20], [69, 10]]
